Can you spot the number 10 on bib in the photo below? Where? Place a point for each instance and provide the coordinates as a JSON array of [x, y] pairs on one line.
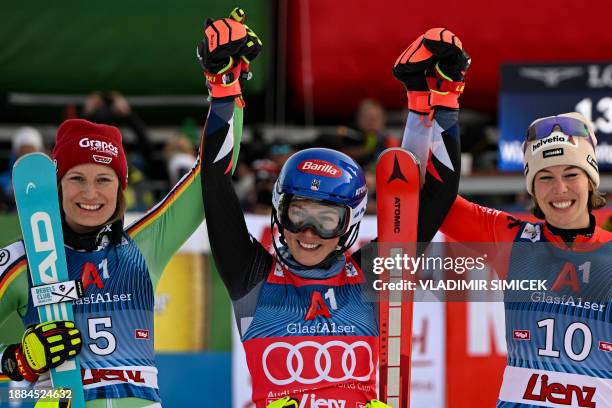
[[35, 186], [397, 200]]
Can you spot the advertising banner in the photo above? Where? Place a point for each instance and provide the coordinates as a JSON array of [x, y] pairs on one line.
[[530, 91]]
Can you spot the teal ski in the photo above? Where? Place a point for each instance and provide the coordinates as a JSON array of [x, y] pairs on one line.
[[35, 186]]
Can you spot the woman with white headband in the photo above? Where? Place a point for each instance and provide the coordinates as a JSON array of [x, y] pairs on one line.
[[558, 339]]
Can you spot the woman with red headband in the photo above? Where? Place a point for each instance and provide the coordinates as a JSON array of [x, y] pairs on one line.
[[119, 267]]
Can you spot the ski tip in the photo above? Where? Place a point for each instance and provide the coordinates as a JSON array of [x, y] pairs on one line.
[[400, 151], [37, 156]]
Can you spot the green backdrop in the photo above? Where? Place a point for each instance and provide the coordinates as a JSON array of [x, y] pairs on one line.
[[10, 231], [133, 46]]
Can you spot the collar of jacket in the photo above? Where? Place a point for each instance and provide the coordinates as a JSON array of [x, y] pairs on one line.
[[93, 240]]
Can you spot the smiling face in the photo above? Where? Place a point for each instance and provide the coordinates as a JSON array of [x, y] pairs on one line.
[[307, 246], [89, 196], [562, 193]]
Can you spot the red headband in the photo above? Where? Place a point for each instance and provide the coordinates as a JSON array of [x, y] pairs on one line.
[[79, 141]]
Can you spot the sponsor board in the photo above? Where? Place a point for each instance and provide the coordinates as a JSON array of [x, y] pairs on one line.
[[531, 91]]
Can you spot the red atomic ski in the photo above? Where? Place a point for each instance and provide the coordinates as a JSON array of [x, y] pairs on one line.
[[397, 198]]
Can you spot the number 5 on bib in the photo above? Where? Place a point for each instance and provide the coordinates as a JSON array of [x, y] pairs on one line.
[[397, 198], [35, 186]]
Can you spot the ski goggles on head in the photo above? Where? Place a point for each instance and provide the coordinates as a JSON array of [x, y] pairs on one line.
[[328, 220], [542, 128]]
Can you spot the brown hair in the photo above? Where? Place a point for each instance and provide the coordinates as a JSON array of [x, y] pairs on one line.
[[597, 200], [122, 206]]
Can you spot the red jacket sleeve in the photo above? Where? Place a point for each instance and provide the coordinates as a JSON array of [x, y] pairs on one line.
[[471, 223]]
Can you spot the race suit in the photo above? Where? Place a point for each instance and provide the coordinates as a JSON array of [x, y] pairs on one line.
[[120, 270], [559, 340], [321, 360]]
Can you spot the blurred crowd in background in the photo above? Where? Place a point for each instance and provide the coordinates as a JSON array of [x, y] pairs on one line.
[[154, 168], [315, 84]]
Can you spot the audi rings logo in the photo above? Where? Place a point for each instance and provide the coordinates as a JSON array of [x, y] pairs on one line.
[[298, 355]]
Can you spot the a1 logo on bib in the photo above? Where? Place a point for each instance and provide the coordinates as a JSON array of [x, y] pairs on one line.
[[568, 277], [317, 307]]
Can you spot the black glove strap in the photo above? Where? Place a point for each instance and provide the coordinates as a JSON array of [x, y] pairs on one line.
[[9, 363], [442, 85]]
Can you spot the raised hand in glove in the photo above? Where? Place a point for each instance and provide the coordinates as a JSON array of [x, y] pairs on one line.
[[43, 346], [446, 80], [410, 69], [225, 53], [434, 62], [252, 47]]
